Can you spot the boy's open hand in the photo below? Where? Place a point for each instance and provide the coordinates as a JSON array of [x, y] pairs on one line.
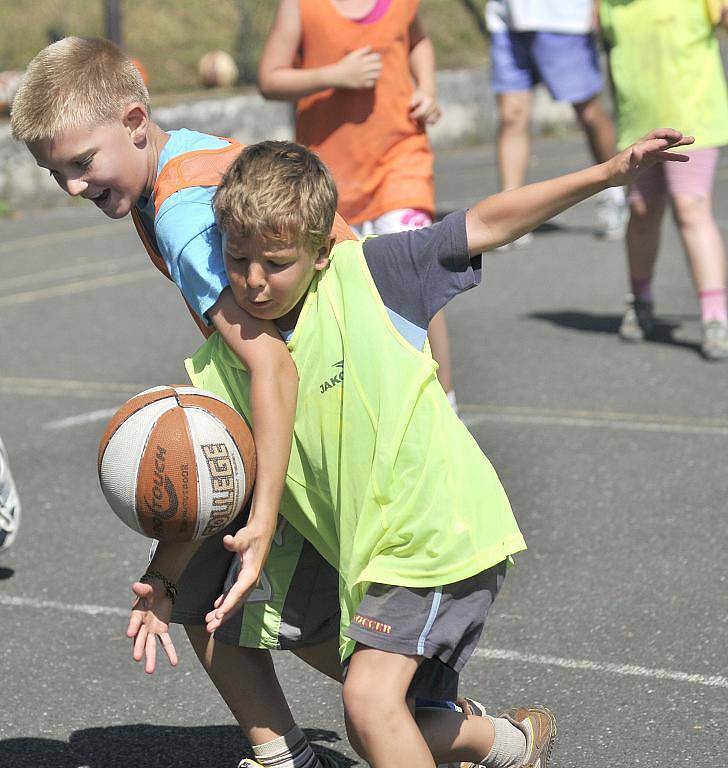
[[643, 154], [252, 546], [359, 69], [149, 620]]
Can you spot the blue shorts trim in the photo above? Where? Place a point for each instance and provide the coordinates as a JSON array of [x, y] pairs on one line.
[[567, 64]]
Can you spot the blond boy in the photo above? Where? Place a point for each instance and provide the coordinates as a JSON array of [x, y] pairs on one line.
[[384, 479]]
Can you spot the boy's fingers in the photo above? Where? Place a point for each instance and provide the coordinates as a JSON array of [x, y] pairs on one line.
[[169, 648], [138, 646], [135, 621], [151, 650]]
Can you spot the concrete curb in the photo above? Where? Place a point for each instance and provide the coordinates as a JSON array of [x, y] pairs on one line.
[[468, 108]]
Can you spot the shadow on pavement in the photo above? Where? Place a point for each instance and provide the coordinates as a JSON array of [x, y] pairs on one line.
[[664, 332], [145, 746], [6, 573]]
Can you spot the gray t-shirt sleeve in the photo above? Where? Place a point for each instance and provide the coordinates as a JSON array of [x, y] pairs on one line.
[[418, 271]]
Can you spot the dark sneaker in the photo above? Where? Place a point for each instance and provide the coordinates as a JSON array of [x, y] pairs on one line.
[[638, 321], [9, 502], [538, 725], [715, 340]]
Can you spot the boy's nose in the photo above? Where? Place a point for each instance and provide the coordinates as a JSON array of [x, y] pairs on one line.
[[256, 276], [75, 187]]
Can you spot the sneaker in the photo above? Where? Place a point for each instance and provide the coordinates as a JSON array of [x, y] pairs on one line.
[[324, 758], [9, 502], [612, 214], [715, 340], [638, 321], [538, 725]]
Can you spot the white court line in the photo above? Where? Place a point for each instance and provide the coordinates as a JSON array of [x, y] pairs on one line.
[[67, 387], [51, 238], [624, 421], [80, 286], [626, 670], [83, 418]]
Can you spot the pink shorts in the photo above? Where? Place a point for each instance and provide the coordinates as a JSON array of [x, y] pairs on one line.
[[692, 179], [399, 220]]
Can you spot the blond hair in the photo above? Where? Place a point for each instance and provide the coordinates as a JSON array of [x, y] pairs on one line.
[[75, 82], [277, 190]]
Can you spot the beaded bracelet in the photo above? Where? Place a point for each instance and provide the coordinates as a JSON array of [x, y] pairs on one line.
[[170, 588]]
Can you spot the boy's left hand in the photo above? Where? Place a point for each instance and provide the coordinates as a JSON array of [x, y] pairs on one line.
[[252, 546], [643, 154], [424, 108]]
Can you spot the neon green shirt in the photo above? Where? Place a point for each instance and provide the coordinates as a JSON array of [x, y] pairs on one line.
[[384, 479], [667, 70]]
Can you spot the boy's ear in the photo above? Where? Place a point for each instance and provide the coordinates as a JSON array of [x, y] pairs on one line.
[[136, 120], [323, 254]]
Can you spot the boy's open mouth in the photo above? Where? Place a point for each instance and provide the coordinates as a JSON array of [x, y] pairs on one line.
[[101, 198]]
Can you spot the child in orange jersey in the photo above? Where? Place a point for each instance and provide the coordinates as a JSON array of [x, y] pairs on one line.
[[363, 75]]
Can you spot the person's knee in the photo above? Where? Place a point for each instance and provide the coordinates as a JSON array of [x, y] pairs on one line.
[[690, 211], [366, 707], [590, 113], [514, 115]]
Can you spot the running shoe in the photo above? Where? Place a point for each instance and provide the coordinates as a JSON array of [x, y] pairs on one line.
[[715, 340], [638, 321], [538, 724], [612, 214], [9, 502]]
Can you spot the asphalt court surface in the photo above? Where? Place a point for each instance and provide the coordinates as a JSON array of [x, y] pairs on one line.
[[614, 457]]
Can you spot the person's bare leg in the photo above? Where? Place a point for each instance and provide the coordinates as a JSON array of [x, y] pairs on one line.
[[702, 240], [240, 674], [598, 128], [323, 657], [455, 737], [643, 236], [379, 721], [440, 346], [514, 139]]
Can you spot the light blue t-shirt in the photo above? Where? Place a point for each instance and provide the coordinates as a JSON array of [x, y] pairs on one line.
[[185, 231]]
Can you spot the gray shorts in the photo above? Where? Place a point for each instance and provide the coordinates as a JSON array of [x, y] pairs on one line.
[[443, 624], [296, 604]]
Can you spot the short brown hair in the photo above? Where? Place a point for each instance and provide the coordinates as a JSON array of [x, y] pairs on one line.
[[77, 81], [277, 190]]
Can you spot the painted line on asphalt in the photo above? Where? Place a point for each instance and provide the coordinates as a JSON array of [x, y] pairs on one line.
[[80, 268], [67, 387], [626, 670], [52, 238], [54, 605], [83, 418], [473, 416], [80, 286]]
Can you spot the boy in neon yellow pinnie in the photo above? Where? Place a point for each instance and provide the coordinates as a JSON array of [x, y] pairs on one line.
[[384, 480]]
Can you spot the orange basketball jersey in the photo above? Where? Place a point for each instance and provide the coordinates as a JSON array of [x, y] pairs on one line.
[[200, 168], [381, 158]]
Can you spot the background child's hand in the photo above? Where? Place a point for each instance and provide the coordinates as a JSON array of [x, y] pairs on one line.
[[424, 108], [252, 546], [149, 620], [359, 69], [645, 153]]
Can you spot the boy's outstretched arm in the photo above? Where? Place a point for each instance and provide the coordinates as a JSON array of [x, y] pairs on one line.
[[506, 216], [280, 78]]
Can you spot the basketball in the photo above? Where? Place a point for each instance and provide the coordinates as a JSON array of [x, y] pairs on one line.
[[176, 463], [217, 69]]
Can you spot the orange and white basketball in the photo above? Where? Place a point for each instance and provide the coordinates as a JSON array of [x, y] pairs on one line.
[[176, 463]]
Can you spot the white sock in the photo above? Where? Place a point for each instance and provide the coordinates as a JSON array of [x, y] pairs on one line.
[[509, 745], [452, 400], [288, 751]]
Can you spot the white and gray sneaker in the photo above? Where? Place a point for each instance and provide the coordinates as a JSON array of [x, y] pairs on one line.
[[9, 502], [612, 213], [638, 320], [715, 340]]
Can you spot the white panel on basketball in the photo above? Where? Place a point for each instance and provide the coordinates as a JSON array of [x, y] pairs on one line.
[[121, 459], [205, 429]]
